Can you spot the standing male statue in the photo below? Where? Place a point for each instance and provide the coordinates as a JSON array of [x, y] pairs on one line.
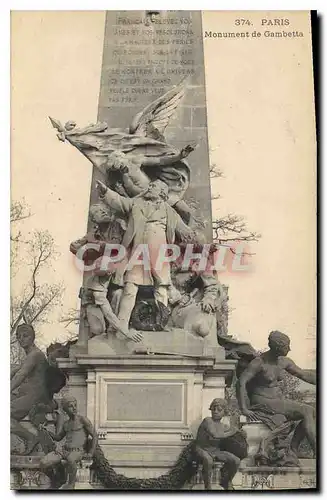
[[151, 222]]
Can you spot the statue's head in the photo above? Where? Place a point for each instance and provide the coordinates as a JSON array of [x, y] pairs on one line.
[[157, 190], [116, 160], [218, 408], [279, 343], [100, 214], [69, 405], [70, 125], [25, 335]]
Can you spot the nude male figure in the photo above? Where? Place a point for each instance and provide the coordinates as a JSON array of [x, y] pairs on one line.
[[76, 429], [208, 446]]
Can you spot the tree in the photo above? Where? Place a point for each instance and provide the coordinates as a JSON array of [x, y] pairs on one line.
[[231, 227], [72, 317], [32, 301]]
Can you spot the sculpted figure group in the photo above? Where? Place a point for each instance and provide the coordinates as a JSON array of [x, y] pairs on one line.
[[261, 398], [140, 205], [258, 394], [140, 188]]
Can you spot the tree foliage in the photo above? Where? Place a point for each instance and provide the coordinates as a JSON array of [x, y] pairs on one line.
[[32, 299]]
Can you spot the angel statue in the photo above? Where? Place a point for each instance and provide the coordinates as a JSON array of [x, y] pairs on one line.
[[131, 159]]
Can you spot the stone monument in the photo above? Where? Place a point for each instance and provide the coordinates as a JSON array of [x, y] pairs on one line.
[[145, 376], [153, 356]]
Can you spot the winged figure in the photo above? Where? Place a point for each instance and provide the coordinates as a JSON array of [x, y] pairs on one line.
[[131, 158]]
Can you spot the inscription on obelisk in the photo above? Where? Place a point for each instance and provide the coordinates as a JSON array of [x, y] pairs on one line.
[[144, 55]]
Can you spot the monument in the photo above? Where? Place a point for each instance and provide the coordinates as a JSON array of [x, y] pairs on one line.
[[147, 390], [149, 364]]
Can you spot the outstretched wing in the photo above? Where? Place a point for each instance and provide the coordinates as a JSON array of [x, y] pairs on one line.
[[154, 119]]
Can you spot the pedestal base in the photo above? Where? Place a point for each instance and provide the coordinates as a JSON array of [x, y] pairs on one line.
[[146, 408], [276, 478]]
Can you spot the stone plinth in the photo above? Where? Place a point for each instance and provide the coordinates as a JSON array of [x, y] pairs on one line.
[[255, 431], [276, 478], [25, 474], [263, 478], [175, 341], [146, 408], [197, 482]]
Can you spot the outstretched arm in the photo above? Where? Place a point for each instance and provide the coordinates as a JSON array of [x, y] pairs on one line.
[[306, 375], [248, 374], [162, 161], [118, 203], [60, 427], [91, 432]]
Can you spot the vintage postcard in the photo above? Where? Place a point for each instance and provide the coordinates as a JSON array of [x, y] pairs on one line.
[[163, 250]]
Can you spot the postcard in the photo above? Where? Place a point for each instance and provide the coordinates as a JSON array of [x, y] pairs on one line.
[[163, 250]]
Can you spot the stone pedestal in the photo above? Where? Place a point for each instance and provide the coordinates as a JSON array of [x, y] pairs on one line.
[[84, 475], [255, 430], [276, 478], [25, 474], [146, 408]]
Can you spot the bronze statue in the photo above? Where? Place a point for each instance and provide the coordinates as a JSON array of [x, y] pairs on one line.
[[151, 222], [76, 430], [260, 396], [210, 446], [29, 385]]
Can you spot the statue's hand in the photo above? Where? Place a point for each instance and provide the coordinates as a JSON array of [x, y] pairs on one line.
[[249, 413], [124, 169], [208, 305], [185, 300], [188, 149], [101, 188]]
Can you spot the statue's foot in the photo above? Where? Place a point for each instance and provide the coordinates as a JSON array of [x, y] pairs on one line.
[[228, 486], [67, 486]]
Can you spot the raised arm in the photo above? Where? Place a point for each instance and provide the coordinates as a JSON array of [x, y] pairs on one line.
[[247, 375], [26, 368], [60, 432], [162, 161], [91, 432], [306, 375], [114, 200]]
